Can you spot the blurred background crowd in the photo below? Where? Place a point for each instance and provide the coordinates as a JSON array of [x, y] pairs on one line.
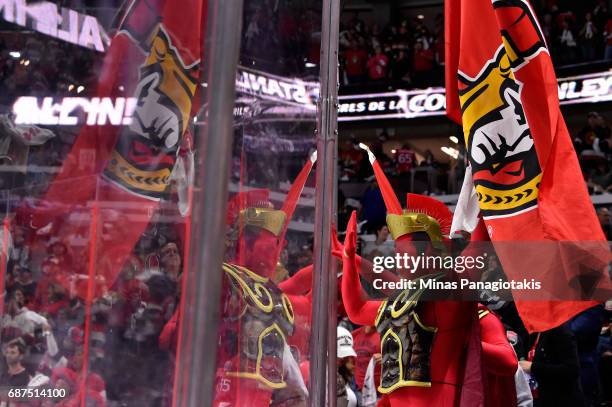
[[132, 329]]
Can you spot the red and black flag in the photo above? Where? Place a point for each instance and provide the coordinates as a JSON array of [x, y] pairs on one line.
[[525, 175], [154, 58]]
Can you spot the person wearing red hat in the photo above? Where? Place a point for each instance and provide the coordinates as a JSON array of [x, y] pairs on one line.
[[424, 343], [255, 362]]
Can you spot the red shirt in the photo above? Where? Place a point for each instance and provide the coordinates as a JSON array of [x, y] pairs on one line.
[[377, 66], [365, 345], [406, 160], [356, 62], [423, 60], [499, 361]]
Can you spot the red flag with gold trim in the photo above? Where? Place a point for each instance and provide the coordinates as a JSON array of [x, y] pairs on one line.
[[501, 87], [154, 58]]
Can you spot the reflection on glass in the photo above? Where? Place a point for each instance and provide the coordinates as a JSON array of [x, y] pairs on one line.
[[263, 352]]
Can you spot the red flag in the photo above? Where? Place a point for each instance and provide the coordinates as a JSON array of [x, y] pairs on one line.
[[502, 88], [154, 57]]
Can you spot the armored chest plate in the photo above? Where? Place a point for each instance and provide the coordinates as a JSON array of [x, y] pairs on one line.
[[406, 342]]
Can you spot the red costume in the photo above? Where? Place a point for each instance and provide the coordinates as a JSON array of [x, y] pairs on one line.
[[499, 359], [255, 364], [424, 344]]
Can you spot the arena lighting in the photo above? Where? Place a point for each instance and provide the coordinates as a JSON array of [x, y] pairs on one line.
[[80, 89], [15, 54], [450, 151], [393, 151], [70, 87], [454, 139], [62, 23], [309, 65]]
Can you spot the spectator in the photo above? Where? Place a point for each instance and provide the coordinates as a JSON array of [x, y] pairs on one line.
[[24, 282], [405, 160], [588, 36], [350, 158], [373, 206], [378, 247], [429, 160], [596, 129], [19, 321], [378, 65], [20, 252], [586, 327], [423, 63], [170, 260], [553, 365], [367, 346], [601, 177], [567, 43], [16, 375], [346, 368], [604, 220], [608, 38], [356, 59], [604, 354], [400, 67]]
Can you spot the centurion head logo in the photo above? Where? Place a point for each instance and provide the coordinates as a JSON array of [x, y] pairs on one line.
[[501, 149], [146, 150]]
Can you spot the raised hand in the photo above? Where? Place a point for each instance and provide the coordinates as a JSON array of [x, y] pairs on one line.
[[350, 240]]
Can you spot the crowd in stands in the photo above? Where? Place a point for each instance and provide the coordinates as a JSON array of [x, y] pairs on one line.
[[411, 170], [127, 335], [409, 52], [48, 329]]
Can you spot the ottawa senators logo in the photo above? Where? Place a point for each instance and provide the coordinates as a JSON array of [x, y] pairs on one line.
[[146, 151], [501, 150]]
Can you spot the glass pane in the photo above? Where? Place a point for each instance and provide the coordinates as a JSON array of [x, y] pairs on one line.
[[96, 115], [263, 348]]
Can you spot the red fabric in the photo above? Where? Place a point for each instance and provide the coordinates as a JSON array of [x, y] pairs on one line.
[[366, 344], [452, 318], [548, 217], [378, 66], [302, 314], [356, 62], [499, 360], [240, 392], [122, 66], [392, 204], [298, 284], [305, 370]]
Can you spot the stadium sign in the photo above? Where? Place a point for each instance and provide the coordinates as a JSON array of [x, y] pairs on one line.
[[71, 111], [403, 104], [288, 97], [62, 23]]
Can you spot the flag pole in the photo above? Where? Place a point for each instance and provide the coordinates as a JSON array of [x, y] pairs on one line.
[[198, 327], [323, 335], [91, 277]]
